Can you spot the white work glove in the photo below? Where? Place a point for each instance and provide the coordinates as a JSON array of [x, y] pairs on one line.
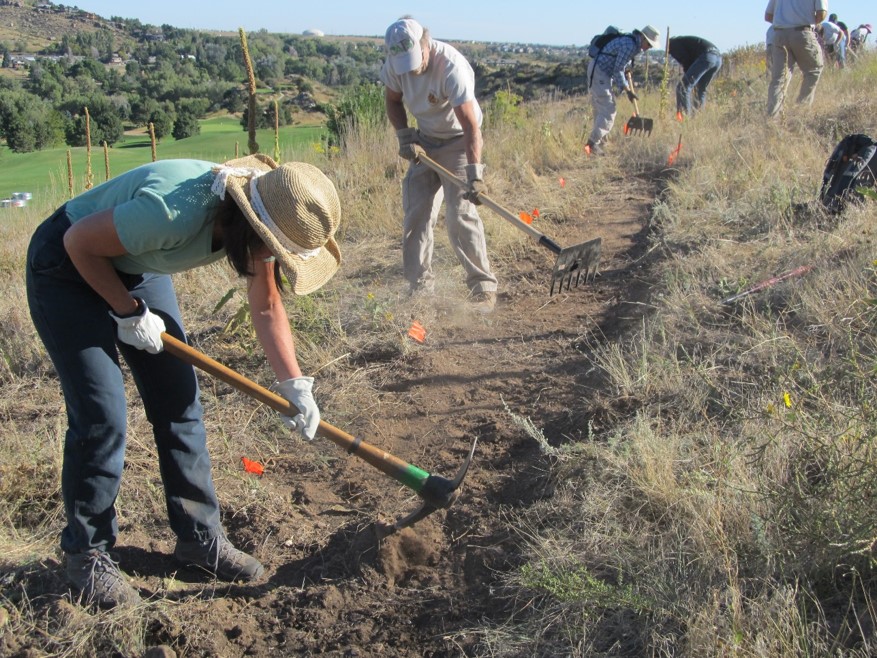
[[141, 330], [407, 142], [475, 183], [299, 391]]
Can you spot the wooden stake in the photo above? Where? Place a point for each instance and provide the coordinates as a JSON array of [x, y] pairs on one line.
[[152, 140], [89, 178], [106, 160], [665, 78], [276, 132], [70, 173], [252, 144]]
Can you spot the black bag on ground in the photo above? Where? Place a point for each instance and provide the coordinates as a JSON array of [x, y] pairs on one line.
[[853, 164]]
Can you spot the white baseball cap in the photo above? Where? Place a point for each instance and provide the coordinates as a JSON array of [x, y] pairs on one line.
[[403, 46]]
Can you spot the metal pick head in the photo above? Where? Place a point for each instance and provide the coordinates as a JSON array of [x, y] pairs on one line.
[[437, 493]]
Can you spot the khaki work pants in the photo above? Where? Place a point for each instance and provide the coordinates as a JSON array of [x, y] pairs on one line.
[[793, 46], [422, 191]]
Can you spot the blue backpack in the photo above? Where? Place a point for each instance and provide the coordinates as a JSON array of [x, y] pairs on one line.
[[852, 165]]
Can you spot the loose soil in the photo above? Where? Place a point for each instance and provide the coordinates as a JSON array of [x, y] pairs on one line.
[[332, 586]]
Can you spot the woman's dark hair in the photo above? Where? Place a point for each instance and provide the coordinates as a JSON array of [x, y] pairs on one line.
[[239, 239]]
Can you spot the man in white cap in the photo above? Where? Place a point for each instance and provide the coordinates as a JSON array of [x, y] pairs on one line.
[[437, 86], [608, 67], [794, 42]]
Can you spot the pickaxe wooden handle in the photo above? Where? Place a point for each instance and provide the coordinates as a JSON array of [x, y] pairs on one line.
[[437, 492]]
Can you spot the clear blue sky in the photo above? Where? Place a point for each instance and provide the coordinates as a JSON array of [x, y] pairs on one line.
[[727, 24]]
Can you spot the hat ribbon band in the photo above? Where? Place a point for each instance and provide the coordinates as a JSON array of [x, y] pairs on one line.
[[220, 181], [262, 212]]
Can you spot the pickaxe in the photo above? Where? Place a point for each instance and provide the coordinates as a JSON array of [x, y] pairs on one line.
[[436, 491]]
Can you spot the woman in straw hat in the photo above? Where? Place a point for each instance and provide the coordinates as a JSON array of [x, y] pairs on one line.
[[99, 285]]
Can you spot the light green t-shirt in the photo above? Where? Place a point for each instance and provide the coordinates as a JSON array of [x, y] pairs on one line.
[[163, 213]]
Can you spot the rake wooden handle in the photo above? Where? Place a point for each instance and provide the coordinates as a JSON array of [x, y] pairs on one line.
[[401, 471], [630, 82], [506, 214]]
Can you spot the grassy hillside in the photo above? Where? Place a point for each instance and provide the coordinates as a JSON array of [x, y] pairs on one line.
[[659, 473]]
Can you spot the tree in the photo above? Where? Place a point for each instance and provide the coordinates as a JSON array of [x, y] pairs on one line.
[[186, 125], [234, 100], [162, 121], [27, 122], [142, 107], [105, 124], [361, 106], [265, 116]]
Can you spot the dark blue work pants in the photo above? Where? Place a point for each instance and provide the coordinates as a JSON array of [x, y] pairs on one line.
[[695, 81], [80, 337]]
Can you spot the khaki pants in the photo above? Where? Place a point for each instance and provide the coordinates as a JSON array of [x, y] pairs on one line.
[[603, 102], [793, 46], [422, 191]]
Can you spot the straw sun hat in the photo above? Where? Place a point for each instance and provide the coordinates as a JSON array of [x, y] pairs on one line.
[[293, 208]]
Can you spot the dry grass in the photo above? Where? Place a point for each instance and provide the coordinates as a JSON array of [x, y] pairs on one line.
[[735, 513], [720, 518]]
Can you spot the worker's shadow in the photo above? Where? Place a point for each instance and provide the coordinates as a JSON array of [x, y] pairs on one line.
[[349, 550]]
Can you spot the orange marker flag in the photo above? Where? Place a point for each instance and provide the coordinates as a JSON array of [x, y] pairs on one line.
[[674, 153], [535, 213], [562, 181], [526, 218], [252, 467], [417, 332], [679, 117]]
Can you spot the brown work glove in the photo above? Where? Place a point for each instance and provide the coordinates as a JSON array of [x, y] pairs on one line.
[[475, 183], [407, 141]]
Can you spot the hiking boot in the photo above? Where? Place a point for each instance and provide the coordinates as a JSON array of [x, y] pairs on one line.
[[98, 578], [219, 557], [422, 290], [483, 302]]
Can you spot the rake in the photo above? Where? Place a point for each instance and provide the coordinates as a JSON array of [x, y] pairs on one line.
[[573, 265], [637, 125]]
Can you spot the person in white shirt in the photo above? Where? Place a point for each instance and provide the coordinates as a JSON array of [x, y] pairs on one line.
[[833, 41], [434, 82], [794, 42]]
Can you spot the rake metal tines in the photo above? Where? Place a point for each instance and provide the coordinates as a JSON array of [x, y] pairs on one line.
[[637, 125], [576, 264]]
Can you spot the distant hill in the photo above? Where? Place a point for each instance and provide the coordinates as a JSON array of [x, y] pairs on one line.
[[33, 25]]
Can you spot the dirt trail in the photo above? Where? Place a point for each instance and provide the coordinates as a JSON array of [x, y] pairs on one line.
[[415, 593], [332, 587]]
